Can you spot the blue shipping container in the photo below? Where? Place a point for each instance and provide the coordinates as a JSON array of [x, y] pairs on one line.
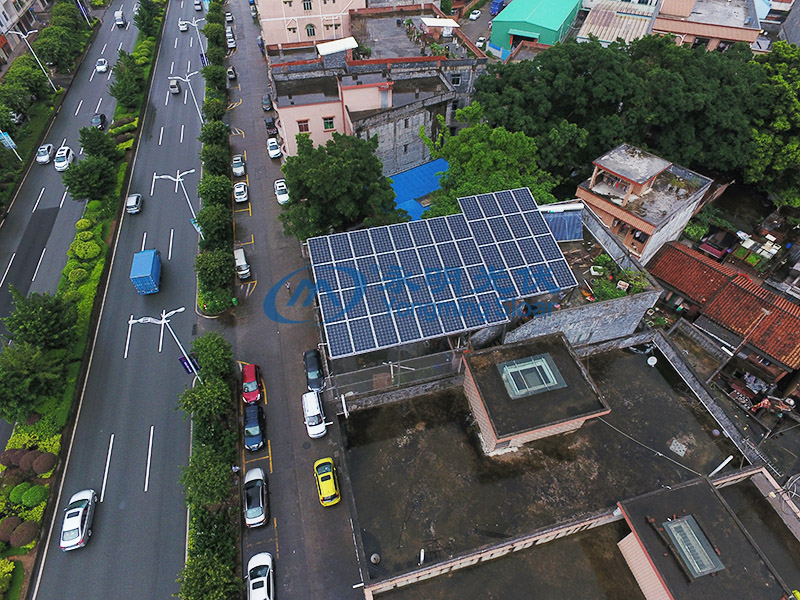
[[146, 271]]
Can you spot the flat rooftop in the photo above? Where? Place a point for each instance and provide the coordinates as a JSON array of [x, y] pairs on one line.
[[573, 394], [278, 55], [298, 92], [631, 163], [709, 555], [420, 479], [733, 13], [404, 92]]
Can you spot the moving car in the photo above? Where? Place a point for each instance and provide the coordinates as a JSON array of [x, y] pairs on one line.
[[198, 5], [281, 191], [256, 498], [260, 577], [231, 72], [174, 86], [272, 129], [77, 526], [238, 165], [327, 483], [266, 102], [240, 192], [254, 427], [315, 378], [273, 148], [99, 121], [183, 25], [101, 66], [229, 17], [133, 204], [64, 158], [474, 15], [313, 416], [251, 383], [44, 154]]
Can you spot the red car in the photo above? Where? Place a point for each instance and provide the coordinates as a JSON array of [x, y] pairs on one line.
[[251, 383]]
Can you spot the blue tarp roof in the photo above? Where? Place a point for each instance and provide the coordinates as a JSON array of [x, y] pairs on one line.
[[417, 183], [565, 220]]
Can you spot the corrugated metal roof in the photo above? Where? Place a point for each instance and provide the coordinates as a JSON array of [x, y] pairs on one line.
[[611, 20], [695, 276], [704, 30], [546, 13], [565, 220], [409, 186], [677, 8]]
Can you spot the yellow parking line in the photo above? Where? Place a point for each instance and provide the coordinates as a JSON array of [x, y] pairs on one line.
[[245, 159], [250, 290], [250, 243], [269, 455], [277, 549], [247, 210]]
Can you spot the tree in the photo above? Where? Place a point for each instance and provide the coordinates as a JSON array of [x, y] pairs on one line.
[[215, 356], [128, 80], [146, 17], [216, 77], [215, 14], [215, 189], [208, 401], [96, 142], [215, 158], [215, 34], [215, 269], [58, 45], [15, 96], [26, 72], [215, 222], [213, 534], [29, 375], [66, 14], [207, 478], [205, 577], [214, 109], [41, 320], [92, 178], [337, 185]]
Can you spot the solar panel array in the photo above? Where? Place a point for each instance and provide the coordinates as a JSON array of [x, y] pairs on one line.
[[397, 284]]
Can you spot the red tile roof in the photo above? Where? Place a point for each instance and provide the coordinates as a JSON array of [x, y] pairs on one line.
[[696, 276]]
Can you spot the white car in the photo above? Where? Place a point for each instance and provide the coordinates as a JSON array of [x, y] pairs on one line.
[[240, 192], [260, 577], [256, 498], [238, 165], [273, 148], [481, 43], [231, 43], [44, 154], [183, 26], [64, 158], [198, 5], [281, 191], [77, 526], [228, 17], [101, 66], [474, 15]]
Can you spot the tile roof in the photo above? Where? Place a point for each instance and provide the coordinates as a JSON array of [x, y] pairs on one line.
[[696, 276]]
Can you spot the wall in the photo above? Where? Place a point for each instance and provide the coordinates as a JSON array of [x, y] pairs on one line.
[[289, 115], [331, 19], [671, 230], [363, 97]]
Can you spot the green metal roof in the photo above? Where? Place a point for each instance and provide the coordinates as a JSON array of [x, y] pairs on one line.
[[545, 13]]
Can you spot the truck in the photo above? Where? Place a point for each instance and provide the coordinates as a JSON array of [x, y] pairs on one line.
[[497, 6], [146, 271], [119, 19]]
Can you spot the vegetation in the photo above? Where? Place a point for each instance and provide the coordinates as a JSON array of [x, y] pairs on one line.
[[41, 319], [128, 80]]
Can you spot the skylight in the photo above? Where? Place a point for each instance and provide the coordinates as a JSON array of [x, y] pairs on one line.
[[693, 547], [529, 376]]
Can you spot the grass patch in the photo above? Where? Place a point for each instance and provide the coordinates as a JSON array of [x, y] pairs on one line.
[[17, 576]]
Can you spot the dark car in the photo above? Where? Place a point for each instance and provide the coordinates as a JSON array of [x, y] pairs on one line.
[[254, 427], [315, 378], [272, 129], [266, 102], [99, 121]]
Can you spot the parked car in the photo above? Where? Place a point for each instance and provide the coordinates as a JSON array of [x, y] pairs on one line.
[[474, 15], [240, 192], [101, 66], [230, 42], [76, 529], [238, 165], [229, 17], [45, 154], [481, 43], [231, 72], [327, 482], [256, 498], [133, 204], [251, 383], [281, 191], [99, 121], [266, 102], [174, 86], [64, 158], [272, 129], [273, 148], [315, 378], [183, 25], [313, 416], [260, 577], [254, 427], [198, 5]]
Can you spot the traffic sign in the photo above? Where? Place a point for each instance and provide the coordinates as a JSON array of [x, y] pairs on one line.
[[196, 225], [6, 140]]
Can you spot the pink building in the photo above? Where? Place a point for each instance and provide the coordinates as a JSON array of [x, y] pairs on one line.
[[287, 21]]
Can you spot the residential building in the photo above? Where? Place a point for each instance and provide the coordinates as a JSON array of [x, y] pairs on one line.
[[645, 200], [715, 24], [544, 22], [610, 20], [290, 21], [16, 15]]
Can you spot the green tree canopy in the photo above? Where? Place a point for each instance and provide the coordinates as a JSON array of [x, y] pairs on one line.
[[215, 220], [92, 178], [207, 478], [42, 320], [215, 34], [215, 269], [65, 14], [26, 72], [29, 375], [15, 96], [216, 159], [128, 80], [58, 45], [338, 185], [206, 577], [215, 189], [214, 109], [215, 356], [146, 17], [96, 142], [214, 132], [208, 401]]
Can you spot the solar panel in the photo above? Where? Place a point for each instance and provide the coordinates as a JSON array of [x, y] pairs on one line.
[[430, 259], [375, 297], [518, 226], [563, 274], [530, 251], [409, 263], [385, 334], [459, 282], [332, 307], [480, 278], [507, 203], [361, 244], [525, 281], [439, 285], [406, 324], [387, 263], [381, 240], [420, 233], [325, 276], [536, 223], [511, 254], [491, 257], [340, 244], [471, 312], [500, 230], [361, 332], [419, 290], [470, 208], [524, 198], [368, 267], [469, 252], [549, 248], [319, 251], [449, 254], [397, 294], [349, 276], [458, 225], [450, 317], [428, 318], [440, 230], [544, 279], [481, 233], [339, 343], [354, 305], [503, 284], [488, 205], [493, 311], [400, 236]]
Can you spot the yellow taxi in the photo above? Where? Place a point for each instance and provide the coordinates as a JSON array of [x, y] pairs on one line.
[[327, 484]]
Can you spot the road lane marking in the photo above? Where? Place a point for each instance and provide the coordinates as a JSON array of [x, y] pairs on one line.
[[80, 151], [7, 269], [152, 184], [119, 47], [149, 457], [166, 98], [251, 287], [181, 134], [62, 197], [110, 71], [97, 110], [103, 51], [171, 67], [160, 135], [188, 66], [105, 472], [161, 338], [79, 107], [91, 77], [128, 338], [176, 43], [186, 95], [144, 240], [64, 141], [39, 264], [37, 200], [277, 549], [171, 234], [191, 40]]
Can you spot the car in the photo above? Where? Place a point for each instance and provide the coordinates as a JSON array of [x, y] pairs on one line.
[[231, 71], [174, 86], [183, 25], [133, 204], [256, 498], [229, 17], [16, 118], [272, 128], [251, 383], [266, 102], [281, 191], [101, 66], [273, 148], [230, 42], [481, 43], [64, 158], [238, 165], [44, 154], [315, 378], [76, 528], [99, 121], [474, 15], [327, 483], [240, 192], [260, 577], [198, 5], [254, 427], [313, 416]]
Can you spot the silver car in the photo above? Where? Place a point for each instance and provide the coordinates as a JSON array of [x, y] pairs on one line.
[[44, 154], [256, 498], [64, 158], [260, 574], [77, 526], [238, 165]]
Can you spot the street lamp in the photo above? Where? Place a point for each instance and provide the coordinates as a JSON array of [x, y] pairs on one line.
[[164, 320], [195, 22], [186, 81], [179, 180], [83, 12], [24, 36]]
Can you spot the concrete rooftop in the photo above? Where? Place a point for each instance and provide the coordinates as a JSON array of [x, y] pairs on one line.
[[314, 90], [631, 163], [733, 13]]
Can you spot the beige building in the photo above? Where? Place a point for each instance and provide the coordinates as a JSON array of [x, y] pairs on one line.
[[288, 21]]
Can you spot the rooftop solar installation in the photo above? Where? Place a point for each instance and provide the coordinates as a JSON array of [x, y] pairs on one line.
[[409, 282]]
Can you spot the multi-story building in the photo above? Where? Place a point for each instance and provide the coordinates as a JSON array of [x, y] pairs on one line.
[[290, 21], [16, 15]]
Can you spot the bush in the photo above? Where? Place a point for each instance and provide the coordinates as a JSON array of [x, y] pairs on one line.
[[124, 121], [15, 497], [34, 514], [26, 462], [24, 534], [84, 250], [6, 569], [125, 145], [213, 302], [695, 231], [45, 463], [78, 275], [5, 458], [215, 269], [215, 355], [84, 236], [123, 138], [83, 224], [35, 496], [7, 527]]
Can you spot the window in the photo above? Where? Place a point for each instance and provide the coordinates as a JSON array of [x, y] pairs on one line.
[[455, 79], [405, 148], [406, 124], [529, 376], [302, 126], [310, 31], [327, 123], [693, 547], [306, 4]]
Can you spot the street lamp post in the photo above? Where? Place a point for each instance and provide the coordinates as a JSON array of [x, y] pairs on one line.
[[24, 36], [83, 10], [195, 22], [191, 91], [164, 320], [178, 180]]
